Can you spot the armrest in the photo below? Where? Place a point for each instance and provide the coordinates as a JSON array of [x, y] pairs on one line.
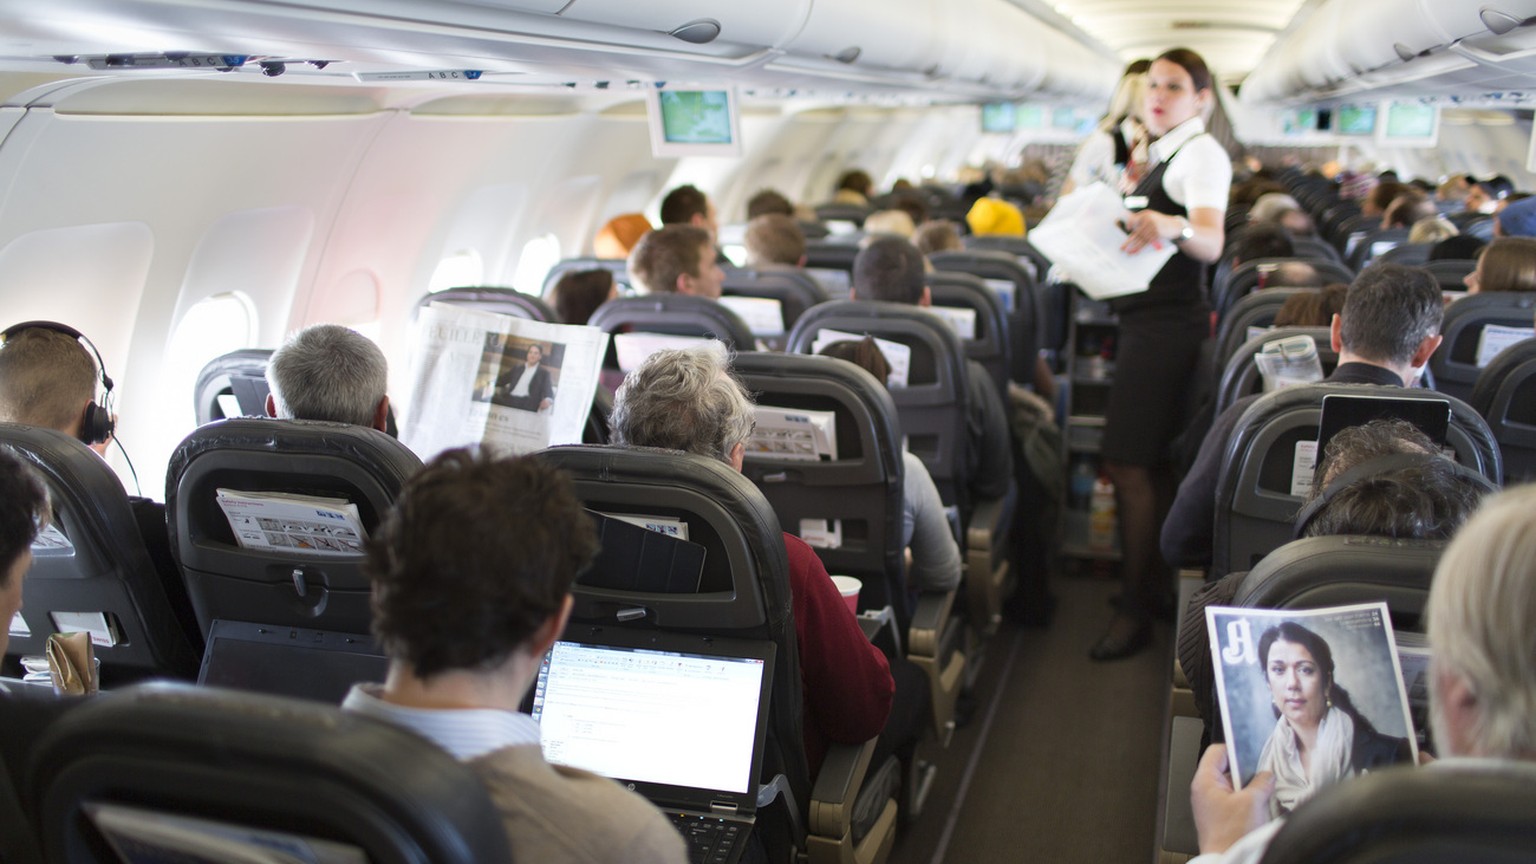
[[837, 787], [928, 619], [989, 522], [1183, 757]]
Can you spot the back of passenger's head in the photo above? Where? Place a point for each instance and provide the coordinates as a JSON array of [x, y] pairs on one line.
[[939, 235], [619, 235], [994, 217], [1508, 264], [1482, 627], [863, 353], [774, 238], [578, 293], [1390, 311], [683, 399], [476, 554], [665, 254], [894, 222], [1431, 229], [856, 180], [46, 379], [23, 510], [912, 205], [1426, 500], [1262, 240], [1294, 274], [1270, 205], [328, 372], [1384, 194], [769, 201], [889, 269], [1302, 309], [682, 204], [1297, 223], [1408, 207]]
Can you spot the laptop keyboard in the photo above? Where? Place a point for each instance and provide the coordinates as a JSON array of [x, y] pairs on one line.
[[710, 839]]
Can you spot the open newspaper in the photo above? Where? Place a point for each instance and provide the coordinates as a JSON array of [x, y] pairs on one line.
[[479, 377], [1312, 695], [1082, 236], [303, 524]]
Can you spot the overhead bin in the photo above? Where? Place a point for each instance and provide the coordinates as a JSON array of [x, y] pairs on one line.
[[905, 35], [985, 44], [767, 25], [1349, 48], [1075, 73]]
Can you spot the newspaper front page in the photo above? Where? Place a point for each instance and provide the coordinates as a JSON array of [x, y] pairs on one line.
[[1313, 696], [515, 384]]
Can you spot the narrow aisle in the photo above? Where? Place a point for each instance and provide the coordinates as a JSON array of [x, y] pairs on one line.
[[1068, 770]]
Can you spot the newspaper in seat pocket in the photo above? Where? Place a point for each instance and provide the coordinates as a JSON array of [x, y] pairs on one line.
[[792, 433], [1082, 236], [1495, 338], [291, 523], [138, 835], [1298, 693]]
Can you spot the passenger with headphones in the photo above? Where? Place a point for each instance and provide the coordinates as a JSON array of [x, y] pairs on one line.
[[49, 379], [1385, 478], [1389, 327]]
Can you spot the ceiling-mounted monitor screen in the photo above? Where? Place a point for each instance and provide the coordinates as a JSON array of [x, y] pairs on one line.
[[1298, 121], [1409, 124], [693, 122], [998, 117], [1355, 120], [1031, 117]]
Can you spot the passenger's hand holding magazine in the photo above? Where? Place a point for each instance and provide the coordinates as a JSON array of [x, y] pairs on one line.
[[1309, 696]]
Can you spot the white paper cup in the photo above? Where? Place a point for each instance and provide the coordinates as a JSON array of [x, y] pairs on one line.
[[849, 587]]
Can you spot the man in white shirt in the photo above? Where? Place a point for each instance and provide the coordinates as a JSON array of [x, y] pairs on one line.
[[466, 608], [1481, 610]]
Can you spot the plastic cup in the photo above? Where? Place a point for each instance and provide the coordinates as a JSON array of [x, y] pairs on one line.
[[849, 587]]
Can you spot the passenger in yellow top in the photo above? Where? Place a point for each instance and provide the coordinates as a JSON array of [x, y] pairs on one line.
[[466, 609]]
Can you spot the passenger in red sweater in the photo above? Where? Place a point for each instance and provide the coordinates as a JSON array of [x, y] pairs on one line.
[[688, 400]]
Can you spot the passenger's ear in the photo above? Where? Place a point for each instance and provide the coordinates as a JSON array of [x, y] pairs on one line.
[[550, 630], [738, 456], [1458, 714], [380, 414], [1426, 349], [1335, 327], [271, 406], [927, 298]]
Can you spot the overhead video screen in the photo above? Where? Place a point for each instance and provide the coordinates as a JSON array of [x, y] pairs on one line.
[[697, 122], [998, 117], [1410, 124], [1355, 120]]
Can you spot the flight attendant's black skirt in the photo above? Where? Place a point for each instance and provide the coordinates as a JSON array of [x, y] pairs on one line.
[[1155, 360]]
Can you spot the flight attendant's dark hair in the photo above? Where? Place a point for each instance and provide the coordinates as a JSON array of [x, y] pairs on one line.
[[1193, 63]]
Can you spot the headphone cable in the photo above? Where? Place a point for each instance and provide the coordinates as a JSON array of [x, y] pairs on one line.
[[131, 470]]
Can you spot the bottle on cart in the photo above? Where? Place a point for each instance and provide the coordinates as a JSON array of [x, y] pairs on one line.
[[1101, 515], [1080, 482]]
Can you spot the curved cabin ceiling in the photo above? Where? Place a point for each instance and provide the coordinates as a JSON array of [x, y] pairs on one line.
[[1232, 35]]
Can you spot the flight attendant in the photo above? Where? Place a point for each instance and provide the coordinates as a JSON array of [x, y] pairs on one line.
[[1181, 200]]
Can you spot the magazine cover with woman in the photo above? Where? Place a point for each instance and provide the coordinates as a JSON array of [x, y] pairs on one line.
[[1313, 696]]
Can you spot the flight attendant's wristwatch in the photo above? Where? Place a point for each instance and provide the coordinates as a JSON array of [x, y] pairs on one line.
[[1187, 232]]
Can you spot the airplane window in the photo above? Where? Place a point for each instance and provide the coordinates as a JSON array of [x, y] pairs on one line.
[[212, 327], [457, 270], [541, 254]]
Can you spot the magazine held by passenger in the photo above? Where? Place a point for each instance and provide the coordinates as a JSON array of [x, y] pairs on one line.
[[517, 384], [1312, 695]]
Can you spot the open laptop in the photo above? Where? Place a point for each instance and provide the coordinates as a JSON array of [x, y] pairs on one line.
[[680, 718], [289, 661]]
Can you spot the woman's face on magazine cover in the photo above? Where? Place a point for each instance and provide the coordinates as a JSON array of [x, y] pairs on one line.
[[1295, 683]]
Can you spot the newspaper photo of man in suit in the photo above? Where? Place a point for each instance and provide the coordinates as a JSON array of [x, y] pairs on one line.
[[526, 386]]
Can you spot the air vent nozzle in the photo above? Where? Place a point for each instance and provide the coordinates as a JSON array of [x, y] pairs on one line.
[[700, 32]]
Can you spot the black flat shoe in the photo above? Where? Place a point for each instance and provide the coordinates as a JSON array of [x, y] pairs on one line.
[[1125, 636]]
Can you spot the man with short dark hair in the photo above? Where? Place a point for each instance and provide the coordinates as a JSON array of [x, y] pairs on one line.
[[677, 259], [329, 372], [769, 201], [472, 571], [1389, 328], [686, 205], [891, 269]]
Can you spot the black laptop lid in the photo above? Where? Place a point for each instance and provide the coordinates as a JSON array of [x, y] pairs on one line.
[[289, 661]]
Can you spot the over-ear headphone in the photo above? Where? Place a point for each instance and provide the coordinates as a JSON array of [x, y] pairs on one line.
[[1381, 465], [96, 425]]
